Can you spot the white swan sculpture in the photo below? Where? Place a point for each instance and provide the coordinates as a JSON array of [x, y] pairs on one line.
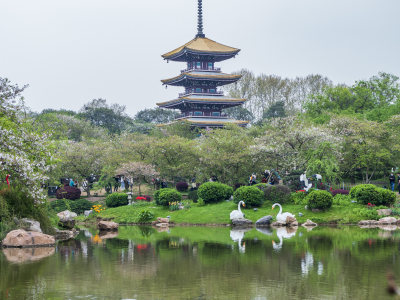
[[281, 217], [237, 214]]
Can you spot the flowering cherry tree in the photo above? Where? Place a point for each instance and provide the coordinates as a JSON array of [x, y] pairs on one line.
[[137, 171]]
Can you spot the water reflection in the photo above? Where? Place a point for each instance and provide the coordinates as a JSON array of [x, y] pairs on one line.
[[18, 255], [210, 263]]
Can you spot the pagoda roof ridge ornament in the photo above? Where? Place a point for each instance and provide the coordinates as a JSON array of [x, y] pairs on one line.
[[200, 20]]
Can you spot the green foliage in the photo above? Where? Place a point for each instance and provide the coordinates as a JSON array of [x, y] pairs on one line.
[[342, 200], [79, 206], [59, 205], [117, 199], [145, 216], [369, 193], [156, 116], [277, 193], [213, 192], [250, 195], [156, 195], [299, 198], [366, 213], [319, 200], [4, 212], [165, 196], [193, 196]]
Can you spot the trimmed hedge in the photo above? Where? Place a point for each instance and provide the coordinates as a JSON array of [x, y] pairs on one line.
[[340, 192], [165, 196], [68, 192], [369, 193], [79, 206], [275, 193], [299, 197], [250, 195], [214, 192], [117, 199], [319, 200], [182, 186]]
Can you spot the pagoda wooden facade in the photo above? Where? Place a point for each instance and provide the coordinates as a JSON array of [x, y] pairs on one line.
[[201, 103]]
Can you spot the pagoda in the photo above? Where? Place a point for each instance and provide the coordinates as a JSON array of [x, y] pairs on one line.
[[201, 103]]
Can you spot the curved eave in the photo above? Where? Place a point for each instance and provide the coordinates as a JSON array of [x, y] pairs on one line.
[[180, 101], [188, 54], [200, 123], [178, 80]]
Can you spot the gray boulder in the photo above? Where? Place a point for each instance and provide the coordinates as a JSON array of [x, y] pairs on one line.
[[87, 213], [387, 221], [384, 212], [309, 223], [242, 222], [264, 221], [64, 235], [67, 219], [30, 225], [25, 239]]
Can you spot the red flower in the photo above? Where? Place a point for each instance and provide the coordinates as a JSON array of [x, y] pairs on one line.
[[140, 198], [301, 191]]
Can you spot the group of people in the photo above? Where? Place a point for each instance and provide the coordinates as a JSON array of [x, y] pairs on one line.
[[392, 181], [271, 177]]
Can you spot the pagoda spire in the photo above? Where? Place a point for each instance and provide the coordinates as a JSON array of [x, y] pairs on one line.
[[200, 20]]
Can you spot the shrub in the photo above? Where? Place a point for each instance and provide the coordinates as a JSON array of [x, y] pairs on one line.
[[277, 193], [339, 192], [193, 196], [117, 199], [168, 195], [79, 206], [182, 186], [156, 195], [388, 197], [250, 195], [59, 205], [292, 180], [366, 193], [213, 192], [68, 192], [145, 216], [319, 200], [4, 213], [366, 213], [299, 197]]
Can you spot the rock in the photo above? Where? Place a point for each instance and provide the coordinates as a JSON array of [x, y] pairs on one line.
[[18, 255], [384, 212], [264, 221], [163, 220], [162, 224], [241, 222], [24, 239], [388, 227], [107, 226], [309, 223], [300, 214], [108, 235], [278, 224], [64, 235], [30, 225], [387, 221], [291, 221], [67, 219], [87, 213], [255, 209], [368, 223]]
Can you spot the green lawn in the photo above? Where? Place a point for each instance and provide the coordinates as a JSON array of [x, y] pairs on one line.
[[218, 214]]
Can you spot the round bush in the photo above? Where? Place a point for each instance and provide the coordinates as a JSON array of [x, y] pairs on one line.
[[319, 200], [299, 197], [366, 193], [68, 192], [79, 206], [213, 192], [387, 197], [156, 195], [182, 186], [250, 195], [165, 196], [117, 199]]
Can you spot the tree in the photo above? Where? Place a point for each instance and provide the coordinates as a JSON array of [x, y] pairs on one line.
[[137, 172], [111, 117], [156, 115], [276, 110], [239, 113]]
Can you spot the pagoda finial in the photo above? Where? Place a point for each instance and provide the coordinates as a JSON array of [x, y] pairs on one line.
[[200, 20]]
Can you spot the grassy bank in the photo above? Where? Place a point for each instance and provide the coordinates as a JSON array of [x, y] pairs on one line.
[[219, 213]]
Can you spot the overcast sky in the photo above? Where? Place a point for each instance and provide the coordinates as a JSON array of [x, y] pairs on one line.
[[72, 51]]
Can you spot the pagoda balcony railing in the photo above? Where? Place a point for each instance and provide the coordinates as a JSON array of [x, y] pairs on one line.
[[201, 69], [203, 94]]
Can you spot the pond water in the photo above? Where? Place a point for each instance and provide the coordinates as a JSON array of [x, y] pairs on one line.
[[206, 263]]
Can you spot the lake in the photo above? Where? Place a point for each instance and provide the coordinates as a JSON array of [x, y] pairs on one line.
[[207, 263]]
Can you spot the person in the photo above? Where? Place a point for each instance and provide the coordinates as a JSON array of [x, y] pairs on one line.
[[398, 182], [252, 179], [71, 183], [164, 184], [392, 180], [122, 183]]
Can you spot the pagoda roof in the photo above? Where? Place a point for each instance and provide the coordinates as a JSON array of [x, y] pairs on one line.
[[220, 78], [203, 99], [210, 121], [202, 46]]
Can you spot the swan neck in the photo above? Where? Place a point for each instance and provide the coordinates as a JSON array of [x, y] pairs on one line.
[[239, 206], [280, 208]]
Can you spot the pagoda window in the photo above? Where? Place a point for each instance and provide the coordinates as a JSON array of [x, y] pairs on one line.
[[198, 65], [216, 114], [198, 90], [190, 114], [212, 91], [210, 66], [198, 113]]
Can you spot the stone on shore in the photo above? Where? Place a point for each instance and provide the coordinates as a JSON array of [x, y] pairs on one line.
[[67, 219], [291, 221], [368, 223], [264, 221], [25, 239], [278, 224], [384, 212], [241, 222], [163, 220], [387, 221], [30, 225], [107, 226], [309, 223], [64, 235]]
